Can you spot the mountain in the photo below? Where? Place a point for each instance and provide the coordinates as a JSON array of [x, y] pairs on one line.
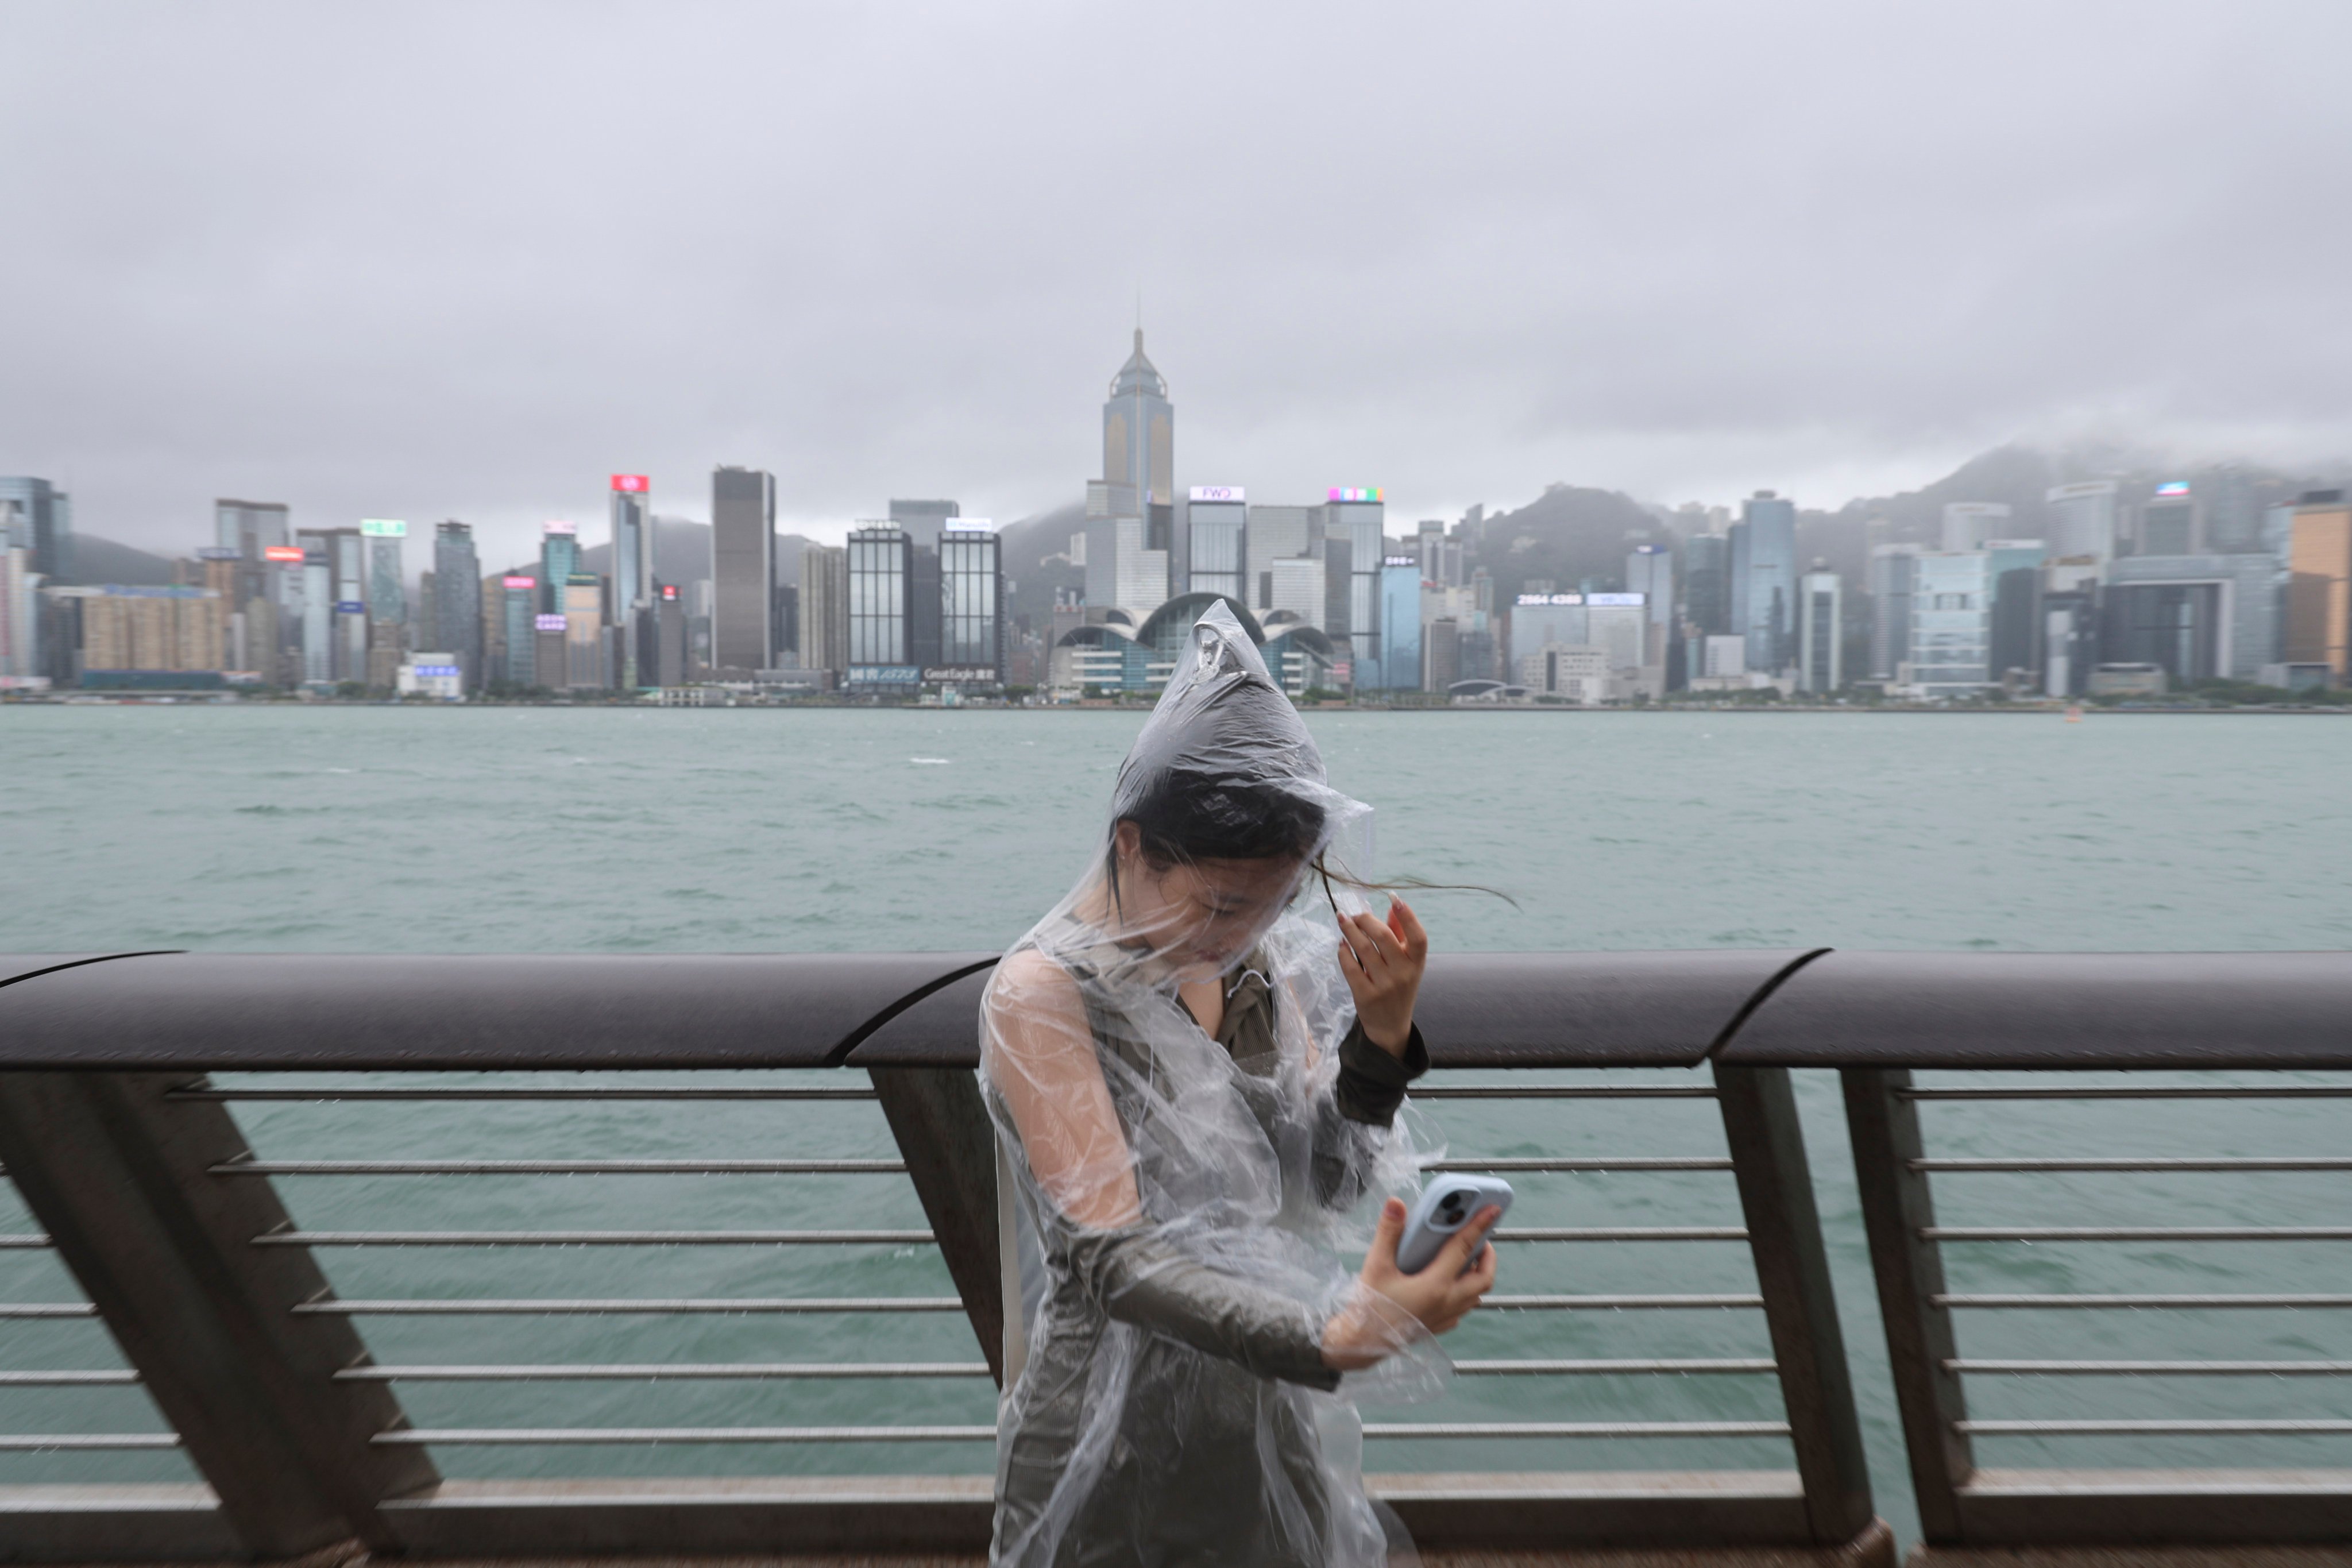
[[682, 554], [1032, 573], [99, 560], [1567, 535]]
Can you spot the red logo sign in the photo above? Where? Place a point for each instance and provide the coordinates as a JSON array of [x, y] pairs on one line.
[[281, 552], [635, 484], [669, 590]]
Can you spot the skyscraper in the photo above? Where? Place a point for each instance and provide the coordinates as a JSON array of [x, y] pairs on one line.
[[2168, 521], [1359, 519], [1764, 580], [2319, 591], [387, 574], [1217, 518], [2083, 520], [971, 605], [825, 610], [1892, 570], [1649, 572], [1821, 654], [881, 565], [1140, 434], [742, 570], [633, 564], [1400, 668], [47, 517], [1951, 605], [458, 599], [559, 558], [585, 664], [1131, 509], [1969, 523], [518, 618]]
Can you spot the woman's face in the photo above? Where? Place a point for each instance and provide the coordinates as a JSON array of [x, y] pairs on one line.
[[1199, 917]]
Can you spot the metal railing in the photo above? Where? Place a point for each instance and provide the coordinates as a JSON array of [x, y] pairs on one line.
[[119, 1127]]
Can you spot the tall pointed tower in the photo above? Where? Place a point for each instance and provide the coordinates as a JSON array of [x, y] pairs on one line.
[[1139, 433], [1131, 509]]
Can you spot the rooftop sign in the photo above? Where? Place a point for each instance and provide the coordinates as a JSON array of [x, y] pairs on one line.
[[558, 528], [384, 528], [219, 553], [969, 525], [1218, 493], [550, 623], [520, 581], [1341, 494], [2173, 488], [290, 554], [631, 484]]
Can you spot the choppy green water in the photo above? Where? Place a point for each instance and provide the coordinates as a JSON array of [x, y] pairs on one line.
[[355, 829]]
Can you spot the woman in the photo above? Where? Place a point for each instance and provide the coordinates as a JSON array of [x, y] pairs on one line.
[[1193, 1086]]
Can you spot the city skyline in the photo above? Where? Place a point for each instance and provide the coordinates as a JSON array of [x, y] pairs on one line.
[[1600, 263]]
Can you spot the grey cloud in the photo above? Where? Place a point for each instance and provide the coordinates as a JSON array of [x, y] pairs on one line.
[[467, 260]]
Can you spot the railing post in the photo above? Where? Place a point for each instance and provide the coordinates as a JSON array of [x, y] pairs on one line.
[[1896, 1211], [1792, 1273], [118, 1175], [942, 1129]]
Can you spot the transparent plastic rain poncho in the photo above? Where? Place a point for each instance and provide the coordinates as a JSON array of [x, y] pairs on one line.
[[1184, 1200]]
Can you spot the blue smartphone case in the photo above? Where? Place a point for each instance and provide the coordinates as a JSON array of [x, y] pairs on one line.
[[1446, 1205]]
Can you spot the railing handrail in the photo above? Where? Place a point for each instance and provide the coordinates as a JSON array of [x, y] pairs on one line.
[[1776, 1007]]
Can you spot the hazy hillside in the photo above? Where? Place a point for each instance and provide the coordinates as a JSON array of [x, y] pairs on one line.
[[1027, 545], [103, 561], [1567, 534], [682, 554]]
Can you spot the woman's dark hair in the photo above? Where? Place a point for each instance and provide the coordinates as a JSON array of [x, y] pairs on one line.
[[1186, 816]]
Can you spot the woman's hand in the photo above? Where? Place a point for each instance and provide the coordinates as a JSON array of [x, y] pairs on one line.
[[1383, 964], [1440, 1295]]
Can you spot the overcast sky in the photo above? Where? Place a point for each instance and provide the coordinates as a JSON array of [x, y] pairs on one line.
[[421, 261]]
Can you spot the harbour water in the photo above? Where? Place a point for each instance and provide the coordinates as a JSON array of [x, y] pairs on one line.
[[361, 829]]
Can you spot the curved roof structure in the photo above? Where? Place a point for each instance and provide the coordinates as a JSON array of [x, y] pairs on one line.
[[1172, 620]]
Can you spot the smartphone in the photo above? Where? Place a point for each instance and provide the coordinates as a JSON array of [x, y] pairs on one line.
[[1448, 1204]]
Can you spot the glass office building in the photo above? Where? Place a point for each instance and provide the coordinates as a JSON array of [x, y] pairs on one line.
[[1951, 616], [1359, 518], [456, 609], [518, 618], [742, 570], [1764, 580], [584, 632], [881, 566], [1218, 534], [972, 606], [1400, 667]]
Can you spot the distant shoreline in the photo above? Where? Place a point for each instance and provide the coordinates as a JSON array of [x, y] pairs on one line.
[[200, 699]]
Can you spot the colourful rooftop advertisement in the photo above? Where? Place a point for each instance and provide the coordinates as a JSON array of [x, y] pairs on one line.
[[383, 527], [1374, 493], [1218, 493], [2173, 488], [520, 581], [633, 484], [550, 623]]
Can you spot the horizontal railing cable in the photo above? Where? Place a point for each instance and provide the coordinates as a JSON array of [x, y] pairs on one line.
[[659, 1371], [1622, 1232], [29, 1310], [95, 1378], [2148, 1368], [594, 1238], [2153, 1302], [29, 1241], [59, 1442], [623, 1306], [1618, 1303], [1631, 1368], [1567, 1092], [509, 1436], [2121, 1428], [371, 1092], [1599, 1163], [559, 1168], [2148, 1165], [2137, 1233], [2216, 1092], [516, 1436]]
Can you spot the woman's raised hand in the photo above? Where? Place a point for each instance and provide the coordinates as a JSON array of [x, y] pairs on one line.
[[1383, 963], [1441, 1295]]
